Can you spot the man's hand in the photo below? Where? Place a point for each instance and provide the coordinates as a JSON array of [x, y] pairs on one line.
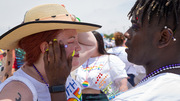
[[57, 65]]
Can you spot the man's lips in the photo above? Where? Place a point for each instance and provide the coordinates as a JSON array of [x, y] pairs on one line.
[[126, 50]]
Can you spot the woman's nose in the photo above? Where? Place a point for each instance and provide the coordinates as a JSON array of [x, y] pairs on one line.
[[77, 48]]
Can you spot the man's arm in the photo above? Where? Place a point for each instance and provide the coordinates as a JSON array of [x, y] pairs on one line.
[[122, 84]]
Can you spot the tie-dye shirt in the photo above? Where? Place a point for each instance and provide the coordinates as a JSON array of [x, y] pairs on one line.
[[100, 73]]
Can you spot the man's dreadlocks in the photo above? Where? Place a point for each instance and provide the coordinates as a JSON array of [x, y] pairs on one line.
[[162, 8]]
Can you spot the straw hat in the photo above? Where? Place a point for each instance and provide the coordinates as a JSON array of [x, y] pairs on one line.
[[43, 18]]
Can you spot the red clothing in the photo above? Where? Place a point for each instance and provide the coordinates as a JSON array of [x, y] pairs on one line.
[[15, 64]]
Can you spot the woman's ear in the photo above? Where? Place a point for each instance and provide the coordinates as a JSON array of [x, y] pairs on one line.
[[166, 36], [43, 47]]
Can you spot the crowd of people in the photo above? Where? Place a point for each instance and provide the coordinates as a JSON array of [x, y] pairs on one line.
[[66, 59]]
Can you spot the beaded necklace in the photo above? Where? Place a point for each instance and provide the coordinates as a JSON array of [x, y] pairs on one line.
[[159, 70], [40, 75]]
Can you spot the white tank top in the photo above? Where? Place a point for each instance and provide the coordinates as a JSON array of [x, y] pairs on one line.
[[39, 90]]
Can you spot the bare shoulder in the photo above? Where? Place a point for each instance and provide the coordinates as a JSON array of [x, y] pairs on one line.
[[16, 91]]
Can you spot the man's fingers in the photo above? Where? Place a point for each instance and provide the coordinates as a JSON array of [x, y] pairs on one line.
[[51, 54], [63, 52], [56, 50], [46, 62], [70, 58]]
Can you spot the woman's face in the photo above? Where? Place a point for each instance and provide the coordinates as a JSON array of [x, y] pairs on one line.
[[70, 38]]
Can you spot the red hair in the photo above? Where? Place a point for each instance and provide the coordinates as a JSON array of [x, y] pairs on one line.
[[31, 44]]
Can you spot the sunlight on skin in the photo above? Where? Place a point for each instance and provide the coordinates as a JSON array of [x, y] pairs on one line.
[[6, 100]]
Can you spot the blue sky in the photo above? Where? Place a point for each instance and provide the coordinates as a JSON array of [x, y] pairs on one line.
[[111, 14]]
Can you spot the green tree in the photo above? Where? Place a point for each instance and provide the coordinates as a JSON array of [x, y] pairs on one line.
[[109, 36]]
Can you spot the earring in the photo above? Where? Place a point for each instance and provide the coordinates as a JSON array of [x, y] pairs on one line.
[[174, 39]]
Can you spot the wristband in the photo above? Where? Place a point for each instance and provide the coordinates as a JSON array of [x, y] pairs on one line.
[[56, 89]]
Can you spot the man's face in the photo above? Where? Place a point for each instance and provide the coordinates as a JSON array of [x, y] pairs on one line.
[[140, 40]]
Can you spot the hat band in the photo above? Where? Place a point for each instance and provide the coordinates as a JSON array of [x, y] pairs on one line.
[[62, 17]]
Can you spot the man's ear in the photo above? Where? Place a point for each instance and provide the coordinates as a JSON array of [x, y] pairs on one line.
[[43, 47], [166, 36]]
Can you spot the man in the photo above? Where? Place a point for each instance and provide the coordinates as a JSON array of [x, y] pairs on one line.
[[154, 42]]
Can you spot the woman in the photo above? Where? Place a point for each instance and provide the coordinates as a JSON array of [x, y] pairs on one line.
[[49, 37], [102, 74], [119, 50]]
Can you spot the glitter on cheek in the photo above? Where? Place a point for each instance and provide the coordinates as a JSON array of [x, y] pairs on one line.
[[65, 46]]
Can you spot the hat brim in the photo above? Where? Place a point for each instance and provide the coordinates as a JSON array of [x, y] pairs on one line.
[[9, 40]]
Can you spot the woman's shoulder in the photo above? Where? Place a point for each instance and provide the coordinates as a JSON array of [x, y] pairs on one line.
[[16, 86], [115, 60], [116, 49], [112, 56], [16, 90]]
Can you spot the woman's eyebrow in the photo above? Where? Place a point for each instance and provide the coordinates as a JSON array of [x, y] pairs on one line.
[[72, 37]]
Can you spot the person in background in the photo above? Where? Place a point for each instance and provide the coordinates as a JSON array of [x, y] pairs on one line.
[[119, 50], [153, 41], [87, 43], [18, 57], [3, 55], [141, 73], [102, 76], [7, 65], [49, 36]]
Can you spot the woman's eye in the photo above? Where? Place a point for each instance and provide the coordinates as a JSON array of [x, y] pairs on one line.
[[70, 42], [135, 27]]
